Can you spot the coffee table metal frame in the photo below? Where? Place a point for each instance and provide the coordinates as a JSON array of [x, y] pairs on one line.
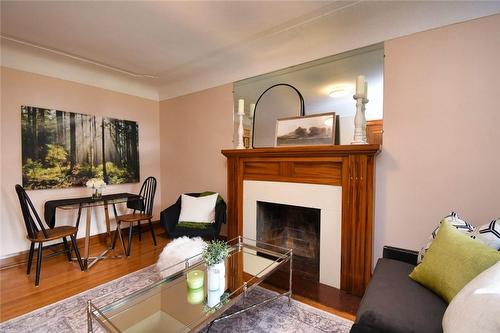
[[94, 312]]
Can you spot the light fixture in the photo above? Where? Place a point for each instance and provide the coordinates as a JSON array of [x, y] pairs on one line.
[[340, 90]]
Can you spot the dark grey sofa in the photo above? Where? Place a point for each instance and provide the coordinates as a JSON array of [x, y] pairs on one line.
[[393, 303]]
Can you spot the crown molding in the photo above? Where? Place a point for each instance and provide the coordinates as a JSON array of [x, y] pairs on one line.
[[333, 32], [34, 60]]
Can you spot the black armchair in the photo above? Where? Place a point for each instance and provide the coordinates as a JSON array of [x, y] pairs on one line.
[[170, 217]]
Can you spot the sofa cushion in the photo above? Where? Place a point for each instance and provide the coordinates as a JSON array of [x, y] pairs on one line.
[[194, 225], [489, 233], [458, 222], [394, 303], [476, 308], [199, 209], [209, 232], [452, 261]]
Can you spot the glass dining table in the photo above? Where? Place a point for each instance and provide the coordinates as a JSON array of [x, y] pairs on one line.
[[88, 204]]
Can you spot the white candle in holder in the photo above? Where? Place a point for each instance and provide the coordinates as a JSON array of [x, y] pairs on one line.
[[241, 106], [241, 113], [360, 86], [252, 110]]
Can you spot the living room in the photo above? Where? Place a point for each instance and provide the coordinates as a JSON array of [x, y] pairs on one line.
[[171, 71]]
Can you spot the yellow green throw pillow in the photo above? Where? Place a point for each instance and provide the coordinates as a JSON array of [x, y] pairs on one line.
[[453, 260]]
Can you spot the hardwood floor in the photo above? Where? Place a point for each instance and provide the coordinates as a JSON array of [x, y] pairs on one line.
[[316, 294], [61, 279]]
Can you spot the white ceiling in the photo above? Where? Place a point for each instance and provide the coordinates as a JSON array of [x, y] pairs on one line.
[[145, 37], [191, 46]]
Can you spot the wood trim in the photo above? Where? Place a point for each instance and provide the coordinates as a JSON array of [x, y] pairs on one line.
[[351, 167], [375, 131], [21, 258], [309, 151], [313, 170], [357, 221]]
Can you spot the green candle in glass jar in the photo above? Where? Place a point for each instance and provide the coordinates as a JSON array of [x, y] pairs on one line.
[[195, 296], [195, 279]]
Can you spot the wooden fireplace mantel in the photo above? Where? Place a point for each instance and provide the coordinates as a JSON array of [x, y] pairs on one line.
[[349, 166]]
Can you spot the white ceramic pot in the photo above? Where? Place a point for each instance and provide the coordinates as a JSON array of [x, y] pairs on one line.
[[222, 277], [213, 298], [217, 277], [213, 279]]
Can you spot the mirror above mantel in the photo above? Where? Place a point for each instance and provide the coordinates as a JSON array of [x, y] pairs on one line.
[[326, 84]]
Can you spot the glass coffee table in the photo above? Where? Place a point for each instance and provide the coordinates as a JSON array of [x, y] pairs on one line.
[[169, 305]]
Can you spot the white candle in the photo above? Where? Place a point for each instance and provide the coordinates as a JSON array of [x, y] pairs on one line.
[[241, 107], [360, 86], [252, 110], [366, 89]]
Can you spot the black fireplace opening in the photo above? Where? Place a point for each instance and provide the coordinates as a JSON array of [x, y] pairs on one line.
[[292, 227]]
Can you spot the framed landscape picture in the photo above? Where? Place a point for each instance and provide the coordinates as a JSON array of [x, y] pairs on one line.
[[318, 129], [63, 149]]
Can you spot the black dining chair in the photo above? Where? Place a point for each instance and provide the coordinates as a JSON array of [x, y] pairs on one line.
[[143, 212], [37, 233]]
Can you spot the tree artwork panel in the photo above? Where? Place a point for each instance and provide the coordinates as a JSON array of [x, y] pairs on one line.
[[64, 149]]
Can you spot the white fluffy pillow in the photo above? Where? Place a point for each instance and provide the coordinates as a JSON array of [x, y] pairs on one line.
[[201, 209], [172, 257], [476, 308]]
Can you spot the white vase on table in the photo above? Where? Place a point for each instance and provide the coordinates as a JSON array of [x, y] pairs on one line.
[[217, 277], [213, 281], [213, 298]]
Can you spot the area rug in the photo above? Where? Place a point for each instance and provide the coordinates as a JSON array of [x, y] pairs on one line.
[[69, 315]]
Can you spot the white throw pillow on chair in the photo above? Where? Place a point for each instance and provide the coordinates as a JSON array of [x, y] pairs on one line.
[[200, 209]]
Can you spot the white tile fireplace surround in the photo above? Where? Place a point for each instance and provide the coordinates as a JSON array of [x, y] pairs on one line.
[[327, 198]]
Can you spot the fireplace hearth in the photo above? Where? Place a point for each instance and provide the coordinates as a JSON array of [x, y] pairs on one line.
[[292, 227]]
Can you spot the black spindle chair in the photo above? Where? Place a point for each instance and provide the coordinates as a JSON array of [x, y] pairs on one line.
[[144, 212], [37, 233]]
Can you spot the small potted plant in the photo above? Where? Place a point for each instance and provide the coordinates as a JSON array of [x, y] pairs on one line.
[[97, 185], [214, 255]]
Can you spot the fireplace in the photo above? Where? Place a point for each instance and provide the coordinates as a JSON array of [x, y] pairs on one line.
[[292, 227], [338, 180], [304, 217]]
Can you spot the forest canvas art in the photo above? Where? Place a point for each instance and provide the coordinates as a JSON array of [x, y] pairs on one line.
[[63, 149]]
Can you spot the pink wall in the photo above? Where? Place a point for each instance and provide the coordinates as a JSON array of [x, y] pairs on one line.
[[441, 134], [194, 129], [23, 88], [441, 131]]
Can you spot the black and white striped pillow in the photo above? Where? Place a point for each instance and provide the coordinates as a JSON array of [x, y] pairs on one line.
[[489, 234], [454, 220]]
